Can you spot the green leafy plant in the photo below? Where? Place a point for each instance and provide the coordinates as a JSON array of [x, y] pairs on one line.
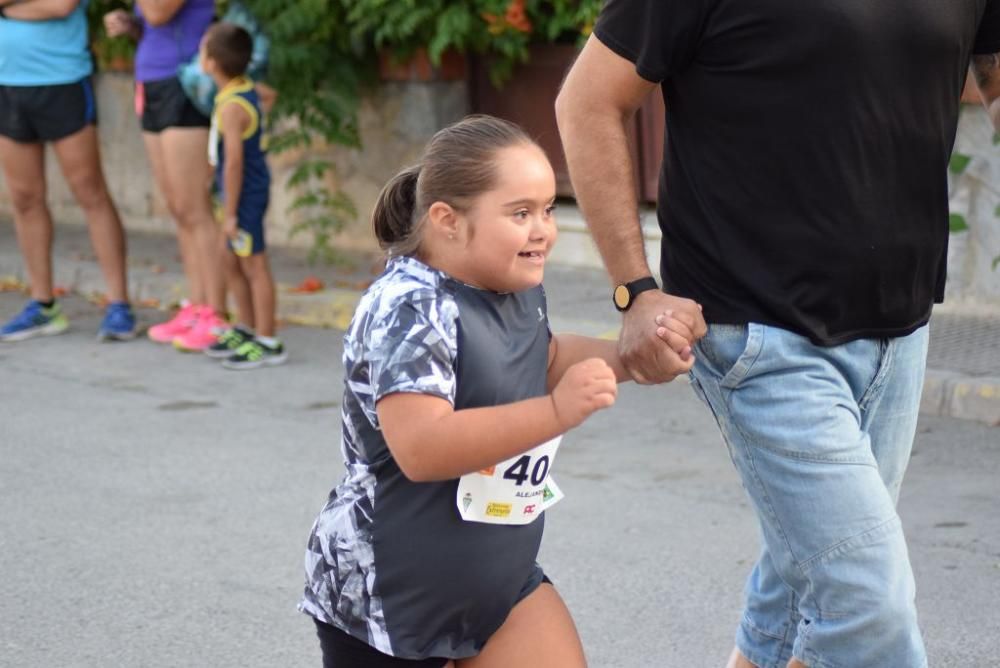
[[318, 72], [327, 210], [500, 29]]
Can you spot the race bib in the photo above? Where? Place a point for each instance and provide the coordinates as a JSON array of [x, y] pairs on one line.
[[515, 491]]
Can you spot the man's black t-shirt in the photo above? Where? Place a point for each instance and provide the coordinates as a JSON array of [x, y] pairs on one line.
[[804, 177]]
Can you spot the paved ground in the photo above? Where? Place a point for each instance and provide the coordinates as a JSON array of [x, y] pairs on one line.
[[155, 507]]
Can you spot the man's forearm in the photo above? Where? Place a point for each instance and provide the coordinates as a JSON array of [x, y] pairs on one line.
[[600, 166]]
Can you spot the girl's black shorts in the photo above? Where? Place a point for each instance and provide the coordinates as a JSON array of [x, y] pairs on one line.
[[342, 650]]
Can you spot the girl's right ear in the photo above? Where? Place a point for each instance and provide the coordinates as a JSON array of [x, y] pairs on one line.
[[442, 220]]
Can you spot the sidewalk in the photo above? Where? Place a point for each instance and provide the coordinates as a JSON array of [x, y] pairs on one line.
[[963, 377]]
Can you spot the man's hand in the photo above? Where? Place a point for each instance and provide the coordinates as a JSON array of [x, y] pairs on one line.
[[652, 356]]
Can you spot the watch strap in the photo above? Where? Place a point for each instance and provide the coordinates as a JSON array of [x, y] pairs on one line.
[[626, 293]]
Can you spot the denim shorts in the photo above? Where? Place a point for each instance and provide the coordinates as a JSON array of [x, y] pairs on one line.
[[821, 437]]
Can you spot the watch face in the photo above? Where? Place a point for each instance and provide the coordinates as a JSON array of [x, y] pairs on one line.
[[622, 297]]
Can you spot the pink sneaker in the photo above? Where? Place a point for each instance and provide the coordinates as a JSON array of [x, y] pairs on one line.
[[181, 322], [205, 332]]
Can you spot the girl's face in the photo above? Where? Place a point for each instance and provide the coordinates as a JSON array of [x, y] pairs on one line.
[[510, 230]]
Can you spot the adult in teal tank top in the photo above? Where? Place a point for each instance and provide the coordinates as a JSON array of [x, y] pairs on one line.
[[46, 96]]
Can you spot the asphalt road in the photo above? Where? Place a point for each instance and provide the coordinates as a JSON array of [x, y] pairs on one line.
[[154, 509]]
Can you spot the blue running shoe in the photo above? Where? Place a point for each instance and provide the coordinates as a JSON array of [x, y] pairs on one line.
[[118, 323], [34, 320]]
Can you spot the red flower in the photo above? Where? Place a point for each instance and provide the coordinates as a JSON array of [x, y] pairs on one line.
[[517, 17]]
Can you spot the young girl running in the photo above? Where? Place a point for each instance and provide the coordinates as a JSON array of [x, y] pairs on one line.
[[456, 394]]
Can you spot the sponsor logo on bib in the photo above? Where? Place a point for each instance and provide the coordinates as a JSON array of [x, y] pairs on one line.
[[498, 509]]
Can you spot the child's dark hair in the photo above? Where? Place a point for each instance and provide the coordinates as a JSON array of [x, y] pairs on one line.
[[230, 46], [458, 165]]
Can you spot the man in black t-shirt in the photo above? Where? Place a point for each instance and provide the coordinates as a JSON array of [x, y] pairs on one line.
[[804, 208]]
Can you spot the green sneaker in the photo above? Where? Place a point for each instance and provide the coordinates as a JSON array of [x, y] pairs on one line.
[[253, 354], [34, 320], [229, 342]]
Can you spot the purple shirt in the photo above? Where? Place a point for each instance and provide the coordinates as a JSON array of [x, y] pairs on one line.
[[163, 48]]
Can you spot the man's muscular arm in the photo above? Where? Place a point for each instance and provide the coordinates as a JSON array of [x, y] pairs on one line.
[[986, 70], [592, 122]]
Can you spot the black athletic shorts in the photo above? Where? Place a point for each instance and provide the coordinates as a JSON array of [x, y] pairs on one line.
[[162, 104], [36, 114], [342, 650]]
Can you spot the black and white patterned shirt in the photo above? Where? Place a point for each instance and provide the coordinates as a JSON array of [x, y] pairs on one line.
[[389, 560]]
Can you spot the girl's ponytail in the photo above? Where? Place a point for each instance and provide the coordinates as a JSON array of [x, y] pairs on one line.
[[394, 219]]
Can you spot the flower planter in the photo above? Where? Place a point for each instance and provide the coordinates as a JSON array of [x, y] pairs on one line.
[[528, 99], [419, 67]]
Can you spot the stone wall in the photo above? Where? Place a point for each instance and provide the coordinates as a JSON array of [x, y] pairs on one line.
[[396, 121], [974, 188]]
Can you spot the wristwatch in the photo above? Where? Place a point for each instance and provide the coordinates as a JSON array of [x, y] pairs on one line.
[[626, 293]]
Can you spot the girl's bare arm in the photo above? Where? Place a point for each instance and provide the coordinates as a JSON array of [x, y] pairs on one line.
[[430, 440]]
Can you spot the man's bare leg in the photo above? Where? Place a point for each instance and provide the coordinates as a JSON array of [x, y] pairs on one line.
[[737, 660]]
